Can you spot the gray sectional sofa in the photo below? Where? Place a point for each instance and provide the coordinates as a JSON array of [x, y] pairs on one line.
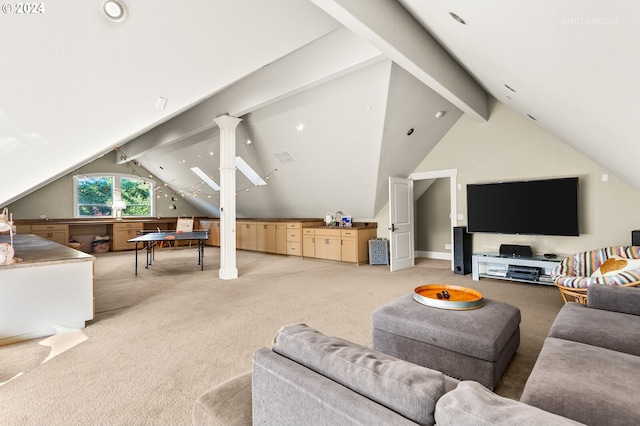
[[589, 366], [588, 371]]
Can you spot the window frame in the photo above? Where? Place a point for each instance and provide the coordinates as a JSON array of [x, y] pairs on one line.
[[117, 179]]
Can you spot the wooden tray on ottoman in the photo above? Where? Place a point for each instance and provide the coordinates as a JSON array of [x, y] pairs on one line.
[[460, 298]]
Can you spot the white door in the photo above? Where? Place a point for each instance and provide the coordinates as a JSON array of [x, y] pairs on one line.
[[401, 223]]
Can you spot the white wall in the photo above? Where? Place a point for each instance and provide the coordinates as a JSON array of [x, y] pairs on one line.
[[510, 147]]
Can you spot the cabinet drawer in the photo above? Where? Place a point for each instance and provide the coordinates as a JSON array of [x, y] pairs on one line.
[[137, 226], [308, 231], [349, 233], [294, 235], [293, 248], [328, 232], [41, 228], [293, 225]]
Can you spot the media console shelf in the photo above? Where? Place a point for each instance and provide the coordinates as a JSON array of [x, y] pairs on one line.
[[494, 265]]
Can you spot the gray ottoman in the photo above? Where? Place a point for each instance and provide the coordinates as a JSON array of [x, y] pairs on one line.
[[474, 344]]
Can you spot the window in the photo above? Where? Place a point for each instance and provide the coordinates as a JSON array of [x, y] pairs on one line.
[[95, 194]]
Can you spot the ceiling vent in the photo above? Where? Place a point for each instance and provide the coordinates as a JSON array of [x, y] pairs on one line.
[[284, 156]]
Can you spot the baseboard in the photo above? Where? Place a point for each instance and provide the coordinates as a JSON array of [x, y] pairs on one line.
[[433, 254]]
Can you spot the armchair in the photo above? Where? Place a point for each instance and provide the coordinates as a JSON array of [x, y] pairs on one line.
[[616, 265]]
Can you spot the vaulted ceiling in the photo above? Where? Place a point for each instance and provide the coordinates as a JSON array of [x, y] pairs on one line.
[[358, 74]]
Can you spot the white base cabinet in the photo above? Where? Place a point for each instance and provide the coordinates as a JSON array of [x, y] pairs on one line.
[[52, 287]]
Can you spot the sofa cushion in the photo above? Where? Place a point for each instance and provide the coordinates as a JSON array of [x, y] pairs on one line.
[[597, 327], [286, 393], [471, 404], [614, 298], [586, 383], [408, 389]]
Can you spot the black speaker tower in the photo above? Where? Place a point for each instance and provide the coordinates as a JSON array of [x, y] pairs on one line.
[[461, 250], [635, 238]]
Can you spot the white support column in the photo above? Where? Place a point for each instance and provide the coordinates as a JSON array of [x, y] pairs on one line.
[[227, 125]]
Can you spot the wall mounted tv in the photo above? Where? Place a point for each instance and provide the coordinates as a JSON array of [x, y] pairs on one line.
[[533, 207]]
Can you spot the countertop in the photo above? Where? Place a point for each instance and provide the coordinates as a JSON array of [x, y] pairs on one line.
[[368, 225], [93, 221], [31, 250]]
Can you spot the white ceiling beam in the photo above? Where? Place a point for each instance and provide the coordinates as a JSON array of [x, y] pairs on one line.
[[336, 54], [391, 28]]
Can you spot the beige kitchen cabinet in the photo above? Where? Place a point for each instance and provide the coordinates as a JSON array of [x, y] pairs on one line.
[[349, 245], [355, 244], [266, 237], [122, 232], [213, 226], [53, 232], [281, 237], [214, 234], [294, 238], [309, 242], [328, 244], [246, 235]]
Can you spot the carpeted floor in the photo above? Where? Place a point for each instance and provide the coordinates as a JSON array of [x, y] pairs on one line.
[[161, 339]]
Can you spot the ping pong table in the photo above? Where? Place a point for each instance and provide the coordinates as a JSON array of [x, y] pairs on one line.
[[150, 240]]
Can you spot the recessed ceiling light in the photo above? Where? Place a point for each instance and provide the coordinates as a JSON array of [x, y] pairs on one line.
[[410, 132], [114, 10], [439, 114], [300, 127], [161, 103], [532, 117], [457, 18], [510, 88]]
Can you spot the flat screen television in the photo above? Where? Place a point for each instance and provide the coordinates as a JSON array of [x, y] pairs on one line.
[[533, 207]]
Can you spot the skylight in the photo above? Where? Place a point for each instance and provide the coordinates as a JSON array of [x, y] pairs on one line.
[[206, 179], [249, 172]]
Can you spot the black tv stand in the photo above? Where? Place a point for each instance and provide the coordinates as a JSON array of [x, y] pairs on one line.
[[495, 265]]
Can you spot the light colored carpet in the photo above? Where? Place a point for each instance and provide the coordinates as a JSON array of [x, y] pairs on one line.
[[161, 339]]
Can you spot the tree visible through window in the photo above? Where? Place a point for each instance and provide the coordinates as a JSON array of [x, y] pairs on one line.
[[95, 195], [136, 194]]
